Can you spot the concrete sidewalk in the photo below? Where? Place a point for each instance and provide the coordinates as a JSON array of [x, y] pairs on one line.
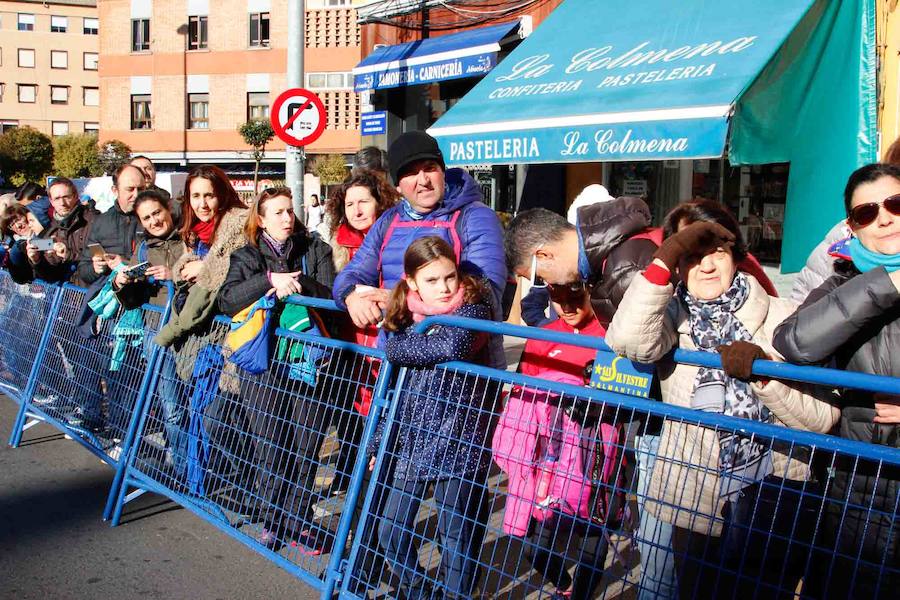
[[54, 544]]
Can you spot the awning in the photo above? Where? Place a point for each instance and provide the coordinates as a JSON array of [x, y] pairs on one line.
[[467, 54], [794, 80], [597, 81]]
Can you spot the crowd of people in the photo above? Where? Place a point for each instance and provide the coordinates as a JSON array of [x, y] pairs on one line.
[[404, 238]]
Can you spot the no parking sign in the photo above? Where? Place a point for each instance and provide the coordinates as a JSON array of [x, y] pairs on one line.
[[298, 117]]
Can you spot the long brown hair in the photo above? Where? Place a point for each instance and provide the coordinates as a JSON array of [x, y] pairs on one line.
[[225, 194], [385, 196], [257, 210], [420, 253]]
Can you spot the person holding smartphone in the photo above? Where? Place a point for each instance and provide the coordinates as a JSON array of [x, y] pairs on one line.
[[68, 231]]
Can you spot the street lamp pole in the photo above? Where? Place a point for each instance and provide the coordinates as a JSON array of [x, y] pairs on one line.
[[294, 168]]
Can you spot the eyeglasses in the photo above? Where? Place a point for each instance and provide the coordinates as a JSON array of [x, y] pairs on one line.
[[567, 291], [536, 281], [864, 214]]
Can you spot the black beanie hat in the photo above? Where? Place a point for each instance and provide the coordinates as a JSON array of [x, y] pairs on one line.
[[410, 147]]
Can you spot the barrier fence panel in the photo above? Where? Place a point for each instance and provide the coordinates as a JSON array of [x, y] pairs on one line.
[[269, 458], [89, 380], [23, 317], [596, 494]]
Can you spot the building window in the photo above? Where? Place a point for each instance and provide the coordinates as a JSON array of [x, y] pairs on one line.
[[258, 106], [92, 128], [198, 111], [27, 93], [26, 22], [329, 81], [26, 58], [91, 26], [59, 59], [91, 96], [2, 89], [60, 128], [59, 24], [140, 112], [259, 30], [197, 33], [337, 3], [89, 61], [8, 126], [140, 35], [59, 94]]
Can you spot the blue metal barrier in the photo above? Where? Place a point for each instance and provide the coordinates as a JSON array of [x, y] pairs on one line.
[[258, 457], [271, 459]]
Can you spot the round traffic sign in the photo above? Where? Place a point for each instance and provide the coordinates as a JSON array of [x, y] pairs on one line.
[[298, 117]]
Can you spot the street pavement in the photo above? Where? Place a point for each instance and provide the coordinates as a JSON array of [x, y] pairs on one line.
[[54, 543]]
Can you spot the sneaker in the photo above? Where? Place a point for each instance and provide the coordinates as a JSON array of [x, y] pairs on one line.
[[561, 595], [269, 538], [45, 401], [311, 543]]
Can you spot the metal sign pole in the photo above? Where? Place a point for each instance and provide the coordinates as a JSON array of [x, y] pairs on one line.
[[295, 158]]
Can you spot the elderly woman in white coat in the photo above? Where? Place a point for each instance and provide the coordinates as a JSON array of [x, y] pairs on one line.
[[717, 493]]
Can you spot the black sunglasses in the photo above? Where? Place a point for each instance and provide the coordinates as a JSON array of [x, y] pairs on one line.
[[864, 214]]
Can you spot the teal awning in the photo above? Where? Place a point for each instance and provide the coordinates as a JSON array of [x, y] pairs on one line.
[[656, 79]]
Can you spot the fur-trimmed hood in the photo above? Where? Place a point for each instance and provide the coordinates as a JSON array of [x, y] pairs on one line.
[[229, 237]]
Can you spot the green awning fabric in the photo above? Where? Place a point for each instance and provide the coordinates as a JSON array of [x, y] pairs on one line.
[[814, 105]]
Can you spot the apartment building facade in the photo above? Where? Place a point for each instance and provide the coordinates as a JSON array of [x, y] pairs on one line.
[[48, 66], [178, 77]]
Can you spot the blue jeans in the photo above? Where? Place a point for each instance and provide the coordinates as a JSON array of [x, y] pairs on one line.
[[654, 537], [170, 391], [462, 516]]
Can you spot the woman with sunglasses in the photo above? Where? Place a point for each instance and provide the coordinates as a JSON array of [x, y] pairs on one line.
[[851, 320], [17, 226], [707, 488], [288, 415]]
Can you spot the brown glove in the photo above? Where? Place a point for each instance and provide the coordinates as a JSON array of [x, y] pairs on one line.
[[738, 357], [693, 239]]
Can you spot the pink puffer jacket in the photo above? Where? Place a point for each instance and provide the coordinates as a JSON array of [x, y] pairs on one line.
[[518, 444]]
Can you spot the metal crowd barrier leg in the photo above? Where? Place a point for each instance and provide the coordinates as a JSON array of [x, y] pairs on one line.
[[256, 455], [52, 315]]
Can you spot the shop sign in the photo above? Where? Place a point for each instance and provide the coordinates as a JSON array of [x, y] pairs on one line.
[[619, 375], [634, 187], [454, 68], [373, 123]]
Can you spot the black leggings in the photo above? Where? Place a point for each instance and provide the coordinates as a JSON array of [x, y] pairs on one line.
[[552, 539]]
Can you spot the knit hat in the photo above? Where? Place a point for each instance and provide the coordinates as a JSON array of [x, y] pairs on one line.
[[592, 194], [410, 147]]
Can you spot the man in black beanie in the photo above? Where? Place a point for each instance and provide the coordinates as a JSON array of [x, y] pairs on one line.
[[436, 201]]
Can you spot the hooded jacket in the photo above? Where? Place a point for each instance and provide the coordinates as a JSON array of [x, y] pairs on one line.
[[604, 230], [73, 231], [379, 263], [116, 231], [853, 322]]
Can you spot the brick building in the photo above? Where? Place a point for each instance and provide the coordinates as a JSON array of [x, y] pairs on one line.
[[178, 77], [48, 66]]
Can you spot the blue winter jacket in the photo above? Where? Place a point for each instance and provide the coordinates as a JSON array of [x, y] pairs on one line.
[[480, 236]]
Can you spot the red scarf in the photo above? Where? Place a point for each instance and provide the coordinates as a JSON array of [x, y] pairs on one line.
[[204, 231], [420, 310], [350, 238]]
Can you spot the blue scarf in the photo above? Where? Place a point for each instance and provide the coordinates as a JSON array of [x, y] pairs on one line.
[[865, 260], [411, 212]]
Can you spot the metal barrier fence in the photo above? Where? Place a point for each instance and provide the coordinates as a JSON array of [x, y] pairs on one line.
[[628, 506]]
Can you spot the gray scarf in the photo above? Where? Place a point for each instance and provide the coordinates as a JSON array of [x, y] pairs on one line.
[[714, 323]]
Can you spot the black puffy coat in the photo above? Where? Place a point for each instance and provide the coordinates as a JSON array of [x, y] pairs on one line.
[[117, 232], [605, 229], [852, 321], [247, 280]]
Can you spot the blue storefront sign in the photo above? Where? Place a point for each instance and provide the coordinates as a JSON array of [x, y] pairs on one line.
[[373, 123], [467, 54]]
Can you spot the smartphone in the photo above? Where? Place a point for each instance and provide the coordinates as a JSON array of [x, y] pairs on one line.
[[42, 244], [96, 250], [137, 271]]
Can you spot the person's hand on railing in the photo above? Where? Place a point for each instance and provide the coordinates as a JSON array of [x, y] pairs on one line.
[[365, 305], [738, 357], [285, 284], [887, 409]]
